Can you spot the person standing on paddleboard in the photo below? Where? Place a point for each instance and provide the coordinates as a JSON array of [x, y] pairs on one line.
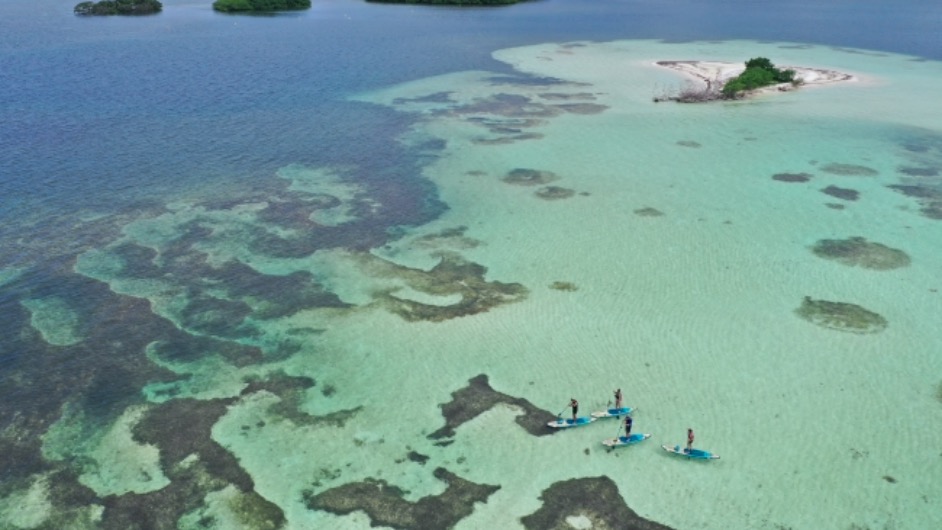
[[618, 399], [689, 440], [575, 407], [628, 422]]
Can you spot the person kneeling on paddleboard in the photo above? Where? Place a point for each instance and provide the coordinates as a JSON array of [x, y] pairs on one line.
[[689, 440], [575, 407]]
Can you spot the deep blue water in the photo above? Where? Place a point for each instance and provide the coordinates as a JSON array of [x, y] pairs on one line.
[[103, 112]]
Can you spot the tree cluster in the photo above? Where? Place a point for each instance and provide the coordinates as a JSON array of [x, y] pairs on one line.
[[229, 6], [119, 7], [759, 72]]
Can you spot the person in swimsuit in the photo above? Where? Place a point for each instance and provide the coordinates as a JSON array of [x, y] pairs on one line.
[[618, 399], [628, 422], [689, 440], [575, 407]]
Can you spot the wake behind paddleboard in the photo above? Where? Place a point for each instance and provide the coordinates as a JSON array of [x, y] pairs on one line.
[[626, 440], [698, 454], [567, 423], [612, 413]]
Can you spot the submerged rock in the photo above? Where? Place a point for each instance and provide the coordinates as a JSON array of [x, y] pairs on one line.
[[841, 316]]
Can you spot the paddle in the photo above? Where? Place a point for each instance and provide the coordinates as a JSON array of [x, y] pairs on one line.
[[564, 410], [559, 416]]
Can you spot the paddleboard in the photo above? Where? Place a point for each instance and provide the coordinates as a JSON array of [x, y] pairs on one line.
[[698, 454], [626, 440], [612, 413], [567, 423]]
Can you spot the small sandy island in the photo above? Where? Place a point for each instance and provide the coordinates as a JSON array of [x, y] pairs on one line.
[[715, 73]]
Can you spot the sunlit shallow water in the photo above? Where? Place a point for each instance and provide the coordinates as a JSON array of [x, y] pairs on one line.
[[258, 346]]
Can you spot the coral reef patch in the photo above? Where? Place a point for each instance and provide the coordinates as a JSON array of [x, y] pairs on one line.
[[552, 193], [384, 504], [920, 171], [595, 500], [479, 397], [453, 275], [196, 466], [529, 177], [857, 251], [453, 238], [291, 392], [649, 212], [930, 199], [792, 177], [564, 286], [846, 194], [841, 316], [849, 170]]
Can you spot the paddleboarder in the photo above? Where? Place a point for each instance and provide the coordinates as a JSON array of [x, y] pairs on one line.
[[618, 399], [628, 422], [689, 439], [575, 407]]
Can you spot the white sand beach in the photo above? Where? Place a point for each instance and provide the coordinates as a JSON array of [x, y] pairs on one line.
[[718, 72]]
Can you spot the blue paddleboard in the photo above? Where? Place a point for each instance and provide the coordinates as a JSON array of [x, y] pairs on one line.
[[612, 413], [567, 423], [626, 440], [698, 454]]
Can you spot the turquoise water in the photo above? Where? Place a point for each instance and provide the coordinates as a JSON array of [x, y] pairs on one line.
[[266, 320]]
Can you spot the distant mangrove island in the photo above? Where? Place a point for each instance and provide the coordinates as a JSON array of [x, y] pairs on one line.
[[147, 7], [261, 6], [119, 7]]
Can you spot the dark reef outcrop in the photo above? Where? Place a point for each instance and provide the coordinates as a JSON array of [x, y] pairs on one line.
[[596, 499], [385, 504], [857, 251], [841, 316], [477, 398]]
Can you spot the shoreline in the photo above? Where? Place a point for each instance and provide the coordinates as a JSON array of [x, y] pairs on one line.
[[710, 72]]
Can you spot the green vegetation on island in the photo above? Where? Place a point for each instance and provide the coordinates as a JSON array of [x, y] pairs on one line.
[[235, 6], [760, 72], [119, 7], [450, 2]]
